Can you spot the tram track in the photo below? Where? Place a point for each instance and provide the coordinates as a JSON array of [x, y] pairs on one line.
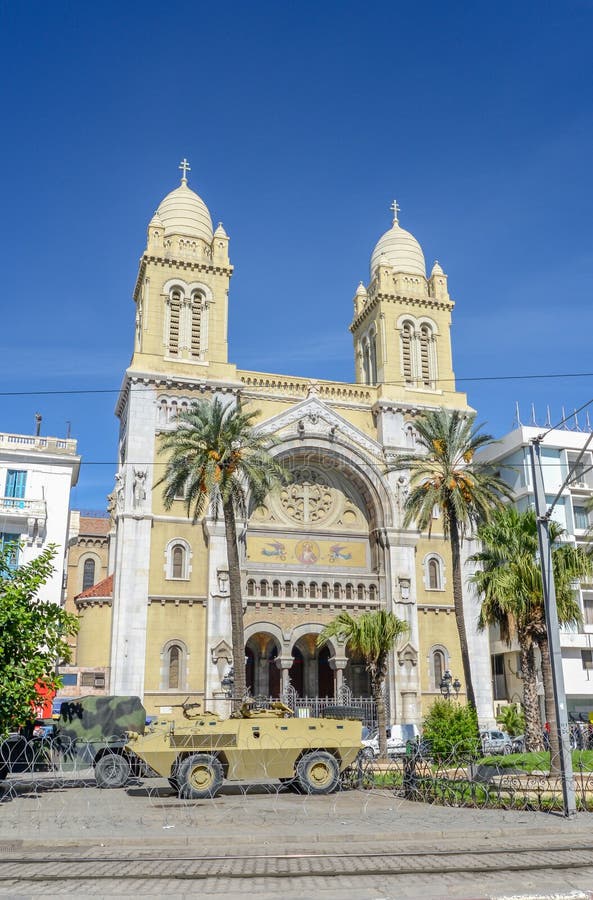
[[71, 867]]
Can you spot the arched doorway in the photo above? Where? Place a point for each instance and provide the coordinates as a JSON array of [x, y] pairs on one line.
[[262, 673], [311, 674]]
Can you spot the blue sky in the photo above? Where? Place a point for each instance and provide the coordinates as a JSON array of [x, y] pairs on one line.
[[301, 122]]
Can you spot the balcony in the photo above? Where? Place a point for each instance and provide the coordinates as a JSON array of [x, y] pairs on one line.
[[575, 639], [37, 442], [24, 515]]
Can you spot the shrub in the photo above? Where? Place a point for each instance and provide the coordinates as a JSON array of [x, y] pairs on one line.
[[452, 731]]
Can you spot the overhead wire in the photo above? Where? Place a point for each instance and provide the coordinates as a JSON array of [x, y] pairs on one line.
[[467, 378]]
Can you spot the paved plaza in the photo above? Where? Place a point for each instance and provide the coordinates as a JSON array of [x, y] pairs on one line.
[[61, 835]]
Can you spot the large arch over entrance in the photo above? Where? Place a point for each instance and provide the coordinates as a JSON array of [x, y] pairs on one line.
[[262, 673], [311, 674]]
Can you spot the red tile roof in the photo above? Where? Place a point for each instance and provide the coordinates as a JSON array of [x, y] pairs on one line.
[[100, 589], [94, 525]]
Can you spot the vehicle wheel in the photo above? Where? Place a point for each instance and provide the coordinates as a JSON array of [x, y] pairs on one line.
[[367, 754], [200, 776], [507, 750], [3, 771], [318, 772], [174, 784], [112, 771]]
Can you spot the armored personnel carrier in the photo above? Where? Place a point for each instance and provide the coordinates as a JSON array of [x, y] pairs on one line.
[[197, 756], [91, 731]]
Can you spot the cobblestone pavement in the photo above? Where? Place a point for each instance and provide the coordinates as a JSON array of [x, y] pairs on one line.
[[136, 832]]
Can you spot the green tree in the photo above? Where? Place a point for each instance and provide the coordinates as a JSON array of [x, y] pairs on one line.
[[451, 731], [510, 584], [218, 460], [33, 637], [445, 474], [371, 636]]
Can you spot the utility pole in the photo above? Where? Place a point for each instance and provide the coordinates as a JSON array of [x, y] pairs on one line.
[[542, 515]]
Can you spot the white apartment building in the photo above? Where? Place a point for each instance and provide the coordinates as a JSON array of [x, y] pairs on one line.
[[36, 475], [560, 452]]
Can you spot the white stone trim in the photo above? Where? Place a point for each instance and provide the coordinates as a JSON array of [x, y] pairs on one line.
[[187, 559], [442, 572]]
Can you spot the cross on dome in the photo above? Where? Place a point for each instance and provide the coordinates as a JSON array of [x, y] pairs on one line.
[[396, 208], [185, 168]]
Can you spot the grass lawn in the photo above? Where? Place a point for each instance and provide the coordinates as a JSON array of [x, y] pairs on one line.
[[582, 760]]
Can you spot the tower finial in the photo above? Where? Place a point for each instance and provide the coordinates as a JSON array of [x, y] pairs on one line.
[[185, 168], [396, 208]]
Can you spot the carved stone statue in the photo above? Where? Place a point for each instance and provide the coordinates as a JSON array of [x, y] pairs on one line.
[[139, 486], [120, 489]]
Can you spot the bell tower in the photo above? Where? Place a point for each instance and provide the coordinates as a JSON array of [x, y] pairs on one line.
[[181, 291], [402, 319]]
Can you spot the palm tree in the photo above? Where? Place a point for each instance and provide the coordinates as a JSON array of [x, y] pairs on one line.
[[445, 474], [371, 636], [217, 458], [510, 582], [506, 540]]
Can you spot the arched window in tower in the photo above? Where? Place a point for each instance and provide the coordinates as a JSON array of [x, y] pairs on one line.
[[196, 324], [177, 561], [373, 357], [366, 361], [174, 666], [406, 347], [177, 555], [88, 574], [433, 575], [438, 668], [426, 375], [174, 322]]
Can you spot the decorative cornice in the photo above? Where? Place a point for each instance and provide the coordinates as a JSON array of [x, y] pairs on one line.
[[446, 608], [195, 265], [283, 603], [84, 602], [376, 299], [319, 420], [280, 387], [177, 599]]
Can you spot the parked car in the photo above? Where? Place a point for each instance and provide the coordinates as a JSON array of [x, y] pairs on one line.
[[398, 739], [496, 742]]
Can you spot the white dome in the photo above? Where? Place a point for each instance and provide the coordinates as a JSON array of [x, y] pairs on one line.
[[399, 249], [183, 212]]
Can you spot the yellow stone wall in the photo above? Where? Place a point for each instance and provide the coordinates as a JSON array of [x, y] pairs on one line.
[[438, 628], [94, 636], [163, 532], [174, 622]]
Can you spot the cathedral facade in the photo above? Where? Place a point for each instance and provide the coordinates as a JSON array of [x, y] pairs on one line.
[[332, 539]]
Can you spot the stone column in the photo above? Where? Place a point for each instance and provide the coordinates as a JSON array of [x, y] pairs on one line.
[[284, 663], [219, 611], [262, 685], [338, 664], [409, 711], [132, 545]]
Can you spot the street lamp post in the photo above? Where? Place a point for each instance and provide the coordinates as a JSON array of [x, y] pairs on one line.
[[227, 683], [448, 683]]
